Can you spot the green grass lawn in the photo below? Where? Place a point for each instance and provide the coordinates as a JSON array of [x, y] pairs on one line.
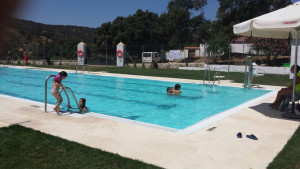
[[22, 148], [25, 148], [289, 157]]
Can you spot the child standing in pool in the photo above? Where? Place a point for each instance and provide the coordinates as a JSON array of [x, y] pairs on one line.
[[55, 89], [174, 90]]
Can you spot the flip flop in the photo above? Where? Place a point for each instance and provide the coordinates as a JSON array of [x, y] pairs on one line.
[[253, 137], [239, 135], [211, 129]]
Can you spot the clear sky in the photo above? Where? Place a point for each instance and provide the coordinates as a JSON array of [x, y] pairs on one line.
[[92, 13]]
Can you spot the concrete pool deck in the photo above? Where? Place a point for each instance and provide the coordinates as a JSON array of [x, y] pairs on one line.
[[206, 148]]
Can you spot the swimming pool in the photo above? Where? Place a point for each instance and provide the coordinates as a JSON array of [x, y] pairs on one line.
[[134, 99]]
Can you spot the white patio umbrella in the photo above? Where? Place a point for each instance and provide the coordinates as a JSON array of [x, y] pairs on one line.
[[279, 24]]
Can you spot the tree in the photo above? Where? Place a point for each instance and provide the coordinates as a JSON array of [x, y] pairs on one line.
[[182, 27], [139, 28], [176, 28], [269, 47], [232, 12], [277, 4], [219, 46]]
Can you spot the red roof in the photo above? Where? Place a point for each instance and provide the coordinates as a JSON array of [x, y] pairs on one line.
[[239, 40], [192, 48]]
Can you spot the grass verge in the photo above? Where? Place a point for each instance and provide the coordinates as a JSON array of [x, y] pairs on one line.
[[289, 157], [22, 147], [267, 79]]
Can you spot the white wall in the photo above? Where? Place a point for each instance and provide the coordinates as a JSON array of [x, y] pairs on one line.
[[202, 50], [235, 48], [168, 54], [260, 69], [238, 48]]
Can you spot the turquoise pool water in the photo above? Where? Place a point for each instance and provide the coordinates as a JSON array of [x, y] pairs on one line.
[[135, 99]]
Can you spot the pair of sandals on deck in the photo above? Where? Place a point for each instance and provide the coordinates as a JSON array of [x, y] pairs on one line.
[[251, 136]]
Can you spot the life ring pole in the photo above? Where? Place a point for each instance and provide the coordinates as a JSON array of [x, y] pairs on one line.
[[120, 53]]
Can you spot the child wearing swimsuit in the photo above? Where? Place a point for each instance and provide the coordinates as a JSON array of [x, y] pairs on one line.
[[55, 89]]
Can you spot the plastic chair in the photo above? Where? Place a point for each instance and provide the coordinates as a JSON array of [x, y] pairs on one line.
[[286, 101], [255, 73]]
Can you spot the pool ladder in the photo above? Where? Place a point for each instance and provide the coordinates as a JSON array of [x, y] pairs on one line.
[[67, 88], [82, 71], [69, 106], [217, 75], [248, 72], [207, 69]]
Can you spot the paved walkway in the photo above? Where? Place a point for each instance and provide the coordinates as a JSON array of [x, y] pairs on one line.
[[218, 148]]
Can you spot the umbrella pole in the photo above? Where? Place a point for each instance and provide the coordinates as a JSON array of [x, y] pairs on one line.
[[295, 69], [292, 115]]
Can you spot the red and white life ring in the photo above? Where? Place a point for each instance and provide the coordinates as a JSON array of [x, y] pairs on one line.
[[120, 53], [80, 53]]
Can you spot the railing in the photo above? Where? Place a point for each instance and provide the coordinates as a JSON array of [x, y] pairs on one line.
[[248, 72], [83, 66], [217, 75], [10, 58], [207, 69], [46, 82], [46, 91], [67, 88]]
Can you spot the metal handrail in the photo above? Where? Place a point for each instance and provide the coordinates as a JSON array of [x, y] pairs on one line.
[[204, 76], [217, 74], [83, 66], [69, 98], [46, 91], [248, 72], [207, 68]]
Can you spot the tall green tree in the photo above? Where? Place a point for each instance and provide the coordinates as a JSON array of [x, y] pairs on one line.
[[183, 26], [232, 12], [139, 28]]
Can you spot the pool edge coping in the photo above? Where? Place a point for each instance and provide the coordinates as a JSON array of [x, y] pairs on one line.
[[186, 131]]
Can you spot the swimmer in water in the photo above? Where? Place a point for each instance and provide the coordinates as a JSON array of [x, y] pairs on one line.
[[174, 90]]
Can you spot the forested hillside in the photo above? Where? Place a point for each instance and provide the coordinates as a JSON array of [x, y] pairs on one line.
[[53, 41]]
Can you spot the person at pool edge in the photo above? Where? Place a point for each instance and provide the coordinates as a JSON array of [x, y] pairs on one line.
[[25, 57], [174, 90], [55, 89], [287, 90]]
